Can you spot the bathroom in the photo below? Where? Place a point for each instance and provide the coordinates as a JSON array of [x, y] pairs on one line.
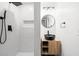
[[25, 24]]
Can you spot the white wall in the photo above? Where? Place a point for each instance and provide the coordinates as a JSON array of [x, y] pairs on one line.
[[44, 12], [69, 33], [68, 12], [26, 15], [11, 45]]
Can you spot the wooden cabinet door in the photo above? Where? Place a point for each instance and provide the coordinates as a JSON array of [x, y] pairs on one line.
[[54, 47], [49, 47]]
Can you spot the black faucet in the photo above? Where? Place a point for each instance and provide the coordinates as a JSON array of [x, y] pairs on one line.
[[48, 32]]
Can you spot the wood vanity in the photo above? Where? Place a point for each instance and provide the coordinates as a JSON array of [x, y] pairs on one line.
[[50, 48]]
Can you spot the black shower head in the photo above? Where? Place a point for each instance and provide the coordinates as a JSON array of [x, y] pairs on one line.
[[16, 3]]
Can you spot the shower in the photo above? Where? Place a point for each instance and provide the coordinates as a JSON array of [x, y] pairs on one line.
[[3, 27], [17, 28]]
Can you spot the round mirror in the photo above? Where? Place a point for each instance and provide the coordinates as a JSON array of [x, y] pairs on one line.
[[48, 21]]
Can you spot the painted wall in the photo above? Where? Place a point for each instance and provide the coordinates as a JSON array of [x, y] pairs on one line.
[[43, 12], [11, 45], [67, 33]]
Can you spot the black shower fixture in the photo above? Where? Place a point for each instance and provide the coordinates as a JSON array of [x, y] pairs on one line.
[[3, 28], [16, 3]]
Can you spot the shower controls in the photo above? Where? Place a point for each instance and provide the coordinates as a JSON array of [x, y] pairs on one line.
[[10, 28]]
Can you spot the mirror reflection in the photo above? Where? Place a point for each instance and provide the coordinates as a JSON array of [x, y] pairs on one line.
[[48, 21]]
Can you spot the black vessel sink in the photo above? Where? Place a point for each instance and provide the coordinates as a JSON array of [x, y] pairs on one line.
[[49, 36]]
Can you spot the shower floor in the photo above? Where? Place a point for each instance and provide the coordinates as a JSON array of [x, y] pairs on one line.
[[25, 54]]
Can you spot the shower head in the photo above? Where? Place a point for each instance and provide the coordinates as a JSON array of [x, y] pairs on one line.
[[16, 3]]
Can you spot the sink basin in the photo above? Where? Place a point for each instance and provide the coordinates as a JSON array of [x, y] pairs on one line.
[[49, 36]]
